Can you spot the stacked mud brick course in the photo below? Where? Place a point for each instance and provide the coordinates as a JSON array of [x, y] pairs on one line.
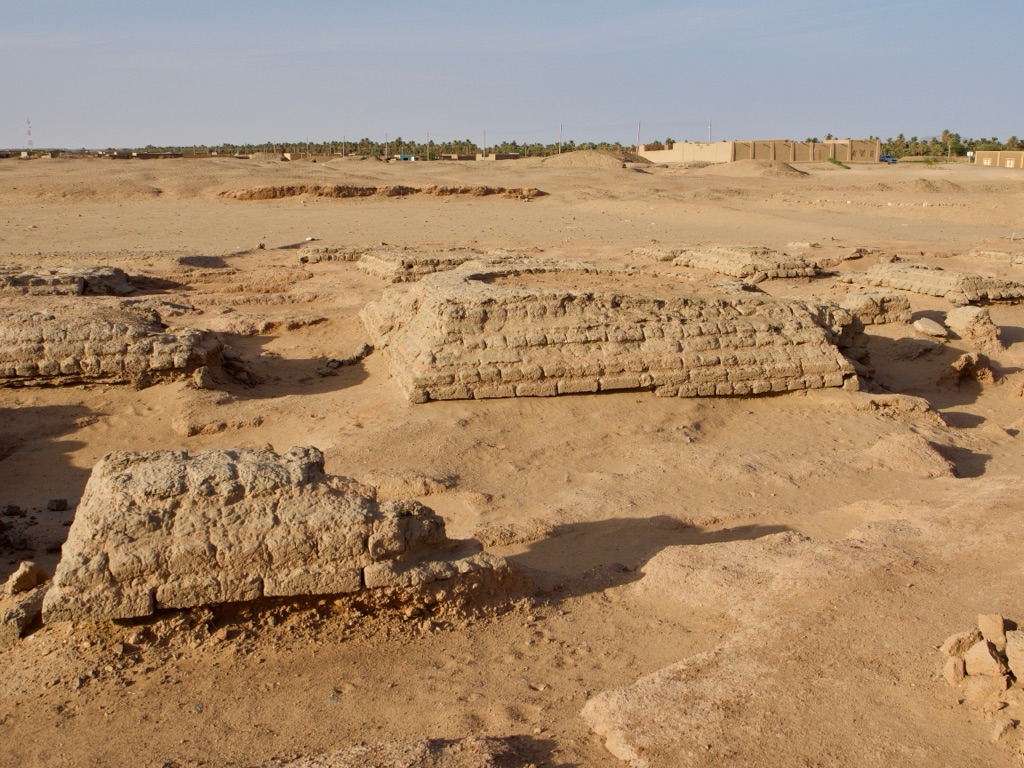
[[958, 288], [402, 265], [166, 529], [64, 281], [486, 330], [78, 340], [752, 263], [397, 264], [877, 308]]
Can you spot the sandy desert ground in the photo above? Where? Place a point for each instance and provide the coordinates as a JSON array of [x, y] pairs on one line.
[[707, 581]]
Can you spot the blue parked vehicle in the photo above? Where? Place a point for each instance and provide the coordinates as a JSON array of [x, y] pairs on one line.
[[887, 159]]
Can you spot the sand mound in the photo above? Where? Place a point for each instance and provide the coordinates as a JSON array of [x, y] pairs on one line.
[[585, 158], [771, 169], [908, 453], [397, 190], [918, 185], [933, 185], [354, 159]]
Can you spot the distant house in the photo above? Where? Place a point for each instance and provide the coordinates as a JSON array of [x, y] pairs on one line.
[[843, 150], [999, 159]]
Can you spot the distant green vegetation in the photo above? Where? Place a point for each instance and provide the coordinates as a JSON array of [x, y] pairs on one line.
[[393, 147], [947, 144], [840, 164]]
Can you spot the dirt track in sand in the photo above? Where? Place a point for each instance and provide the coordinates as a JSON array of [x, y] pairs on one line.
[[626, 507]]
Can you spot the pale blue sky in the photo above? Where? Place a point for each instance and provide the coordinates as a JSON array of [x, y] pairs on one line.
[[114, 73]]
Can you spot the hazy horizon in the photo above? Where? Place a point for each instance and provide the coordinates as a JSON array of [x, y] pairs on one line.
[[119, 74]]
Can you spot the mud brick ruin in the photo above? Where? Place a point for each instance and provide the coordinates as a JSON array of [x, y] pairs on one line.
[[77, 341], [542, 328], [958, 288], [166, 529], [401, 265], [398, 264], [751, 263], [877, 308], [64, 281]]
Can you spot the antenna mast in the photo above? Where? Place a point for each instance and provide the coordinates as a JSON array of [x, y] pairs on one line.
[[29, 123]]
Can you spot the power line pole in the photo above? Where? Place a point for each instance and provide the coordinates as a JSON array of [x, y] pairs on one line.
[[709, 130], [483, 152], [29, 144], [638, 137], [559, 138]]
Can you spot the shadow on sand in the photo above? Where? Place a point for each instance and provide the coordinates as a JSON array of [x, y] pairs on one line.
[[34, 468], [581, 558], [273, 376]]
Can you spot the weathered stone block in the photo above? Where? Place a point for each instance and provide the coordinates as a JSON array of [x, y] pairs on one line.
[[982, 660], [954, 670], [993, 628], [975, 327], [167, 529], [18, 611], [1015, 652], [877, 308], [26, 577]]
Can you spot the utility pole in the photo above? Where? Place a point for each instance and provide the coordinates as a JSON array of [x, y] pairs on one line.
[[28, 146], [386, 147], [709, 130], [483, 153], [638, 137], [428, 146], [559, 138]]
